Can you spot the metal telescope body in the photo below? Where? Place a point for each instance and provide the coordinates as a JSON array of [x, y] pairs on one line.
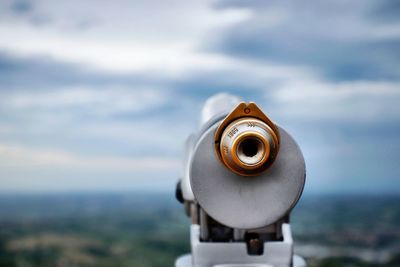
[[242, 176]]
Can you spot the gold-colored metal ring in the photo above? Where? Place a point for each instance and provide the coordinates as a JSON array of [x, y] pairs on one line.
[[265, 149], [245, 122]]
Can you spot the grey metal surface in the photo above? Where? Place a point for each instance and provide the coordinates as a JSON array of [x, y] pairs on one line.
[[187, 261], [234, 254], [246, 202]]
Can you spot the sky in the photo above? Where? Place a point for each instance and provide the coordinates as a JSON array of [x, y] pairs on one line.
[[100, 95]]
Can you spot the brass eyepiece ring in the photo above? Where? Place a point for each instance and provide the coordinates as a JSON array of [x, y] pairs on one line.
[[250, 149], [247, 145]]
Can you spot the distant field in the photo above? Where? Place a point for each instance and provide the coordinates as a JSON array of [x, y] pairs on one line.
[[145, 230]]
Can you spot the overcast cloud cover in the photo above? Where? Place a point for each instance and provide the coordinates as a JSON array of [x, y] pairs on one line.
[[100, 95]]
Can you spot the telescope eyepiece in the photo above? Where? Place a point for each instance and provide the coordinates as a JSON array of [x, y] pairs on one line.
[[247, 145], [247, 142], [245, 172], [251, 149]]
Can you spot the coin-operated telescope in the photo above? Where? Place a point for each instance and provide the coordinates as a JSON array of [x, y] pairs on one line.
[[243, 175]]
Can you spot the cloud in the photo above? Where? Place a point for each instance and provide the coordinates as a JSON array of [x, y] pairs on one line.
[[135, 41], [7, 129], [101, 102], [42, 72], [342, 41], [117, 120], [385, 10], [356, 102], [99, 96], [38, 169], [18, 155], [21, 6]]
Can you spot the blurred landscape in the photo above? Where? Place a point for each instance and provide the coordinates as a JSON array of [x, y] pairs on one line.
[[150, 229]]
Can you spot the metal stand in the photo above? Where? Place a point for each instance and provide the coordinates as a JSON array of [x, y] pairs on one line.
[[234, 254]]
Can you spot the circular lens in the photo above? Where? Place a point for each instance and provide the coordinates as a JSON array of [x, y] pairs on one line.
[[247, 146], [251, 150]]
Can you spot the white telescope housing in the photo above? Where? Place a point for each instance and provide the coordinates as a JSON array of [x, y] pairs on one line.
[[243, 175]]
